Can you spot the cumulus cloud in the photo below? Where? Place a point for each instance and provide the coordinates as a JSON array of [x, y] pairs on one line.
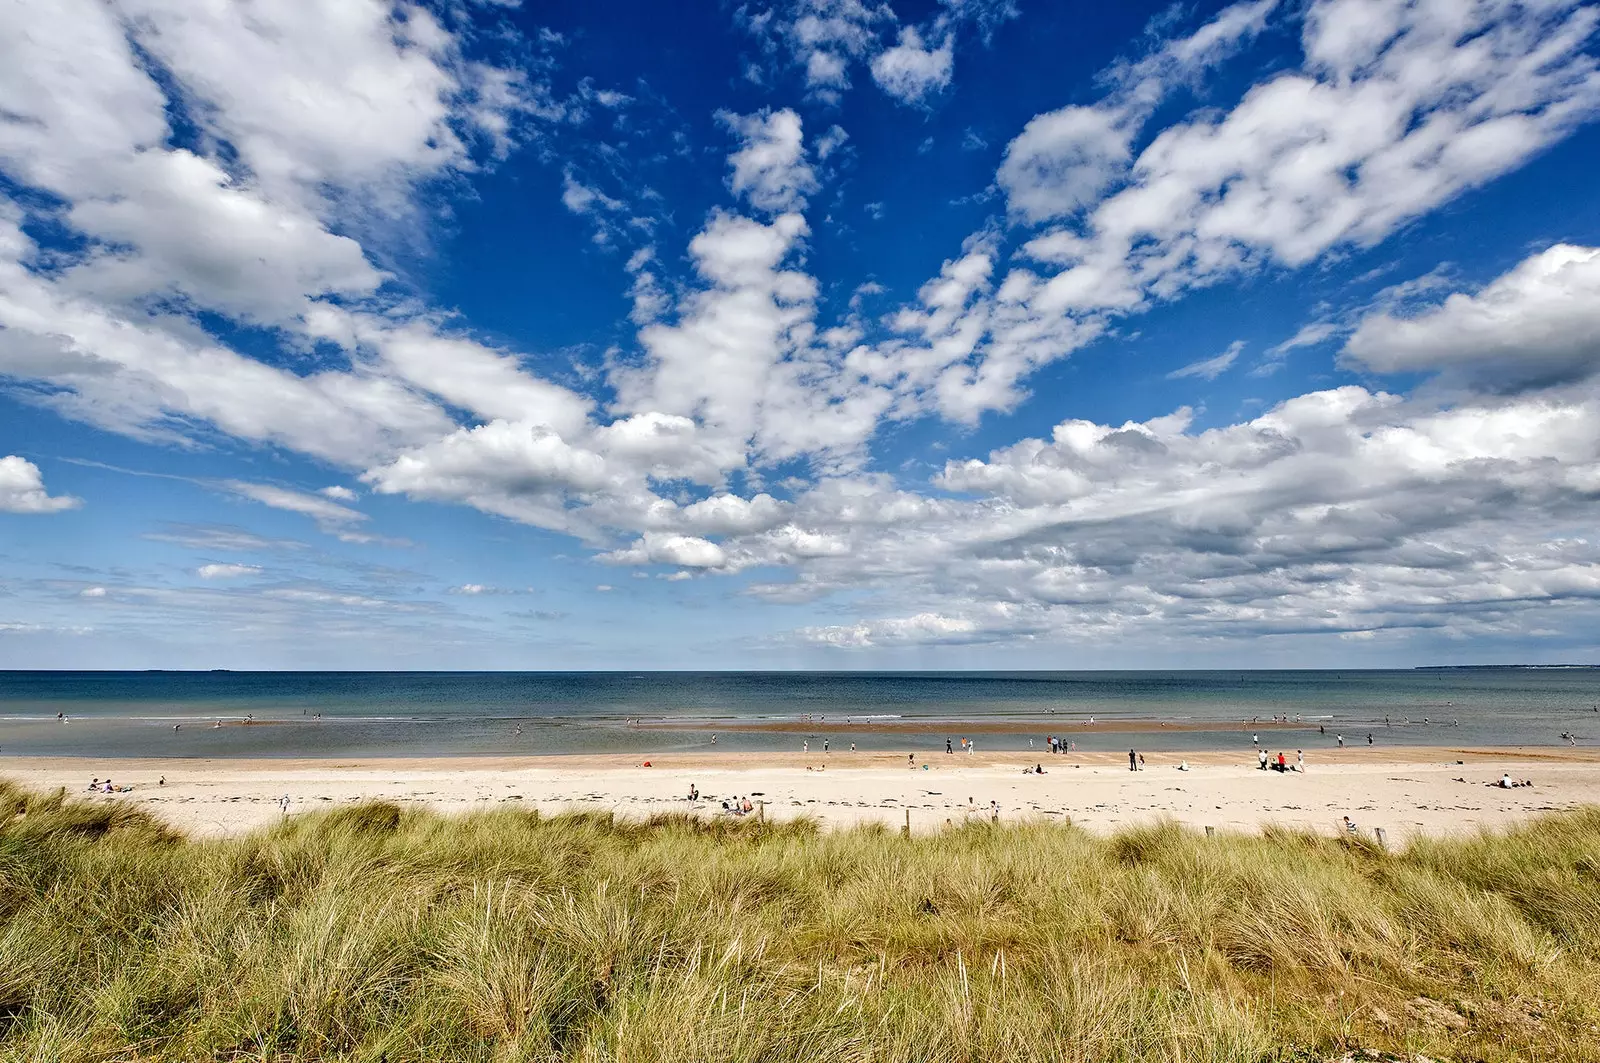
[[1384, 119], [825, 38], [1538, 324], [909, 71], [688, 551], [22, 489], [770, 168]]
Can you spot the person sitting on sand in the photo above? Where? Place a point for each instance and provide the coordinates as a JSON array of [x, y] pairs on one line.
[[1505, 781], [1183, 765], [94, 784], [746, 806], [1349, 825]]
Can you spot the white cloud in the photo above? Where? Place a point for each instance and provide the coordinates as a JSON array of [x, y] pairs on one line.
[[831, 141], [921, 629], [1537, 324], [22, 489], [909, 71], [331, 517], [337, 493], [218, 570], [826, 37], [1064, 160], [1337, 153], [92, 592], [1210, 368], [688, 551], [770, 167]]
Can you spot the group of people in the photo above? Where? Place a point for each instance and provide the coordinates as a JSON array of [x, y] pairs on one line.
[[103, 786], [1280, 763], [968, 746], [1058, 744]]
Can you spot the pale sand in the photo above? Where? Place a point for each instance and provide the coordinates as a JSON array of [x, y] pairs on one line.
[[1404, 791]]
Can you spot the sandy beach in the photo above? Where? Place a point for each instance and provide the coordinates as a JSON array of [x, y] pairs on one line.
[[1429, 791]]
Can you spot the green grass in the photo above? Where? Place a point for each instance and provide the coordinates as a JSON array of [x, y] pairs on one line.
[[372, 933]]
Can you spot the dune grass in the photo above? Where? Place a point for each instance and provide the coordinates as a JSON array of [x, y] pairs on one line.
[[376, 933]]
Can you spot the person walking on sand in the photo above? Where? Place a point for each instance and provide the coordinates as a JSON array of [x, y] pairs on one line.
[[1261, 756], [1141, 762], [948, 747], [1300, 760]]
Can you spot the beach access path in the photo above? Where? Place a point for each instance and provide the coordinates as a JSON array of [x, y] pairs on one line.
[[1405, 791]]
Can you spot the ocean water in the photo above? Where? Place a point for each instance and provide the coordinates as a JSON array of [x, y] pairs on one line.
[[374, 714]]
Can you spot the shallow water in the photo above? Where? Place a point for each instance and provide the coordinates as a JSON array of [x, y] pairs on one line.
[[132, 714]]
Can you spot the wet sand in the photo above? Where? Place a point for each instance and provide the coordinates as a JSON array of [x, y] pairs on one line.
[[1410, 791]]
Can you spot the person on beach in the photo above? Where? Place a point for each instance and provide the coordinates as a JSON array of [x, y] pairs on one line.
[[1141, 762], [1261, 756], [971, 747], [1349, 825], [948, 747], [1133, 761], [1300, 760], [1283, 764], [1369, 739], [911, 761], [1341, 741]]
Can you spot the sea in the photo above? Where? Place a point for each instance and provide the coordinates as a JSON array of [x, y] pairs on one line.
[[417, 714]]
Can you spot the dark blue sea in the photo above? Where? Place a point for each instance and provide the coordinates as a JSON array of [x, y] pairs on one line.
[[345, 714]]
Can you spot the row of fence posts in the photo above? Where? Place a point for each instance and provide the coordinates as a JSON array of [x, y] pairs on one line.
[[905, 831], [1382, 836]]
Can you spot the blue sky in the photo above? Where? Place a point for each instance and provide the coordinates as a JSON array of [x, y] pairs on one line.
[[813, 333]]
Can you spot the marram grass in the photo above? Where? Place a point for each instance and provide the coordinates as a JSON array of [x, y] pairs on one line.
[[372, 933]]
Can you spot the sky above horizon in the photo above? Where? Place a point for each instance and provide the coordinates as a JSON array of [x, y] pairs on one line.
[[798, 334]]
